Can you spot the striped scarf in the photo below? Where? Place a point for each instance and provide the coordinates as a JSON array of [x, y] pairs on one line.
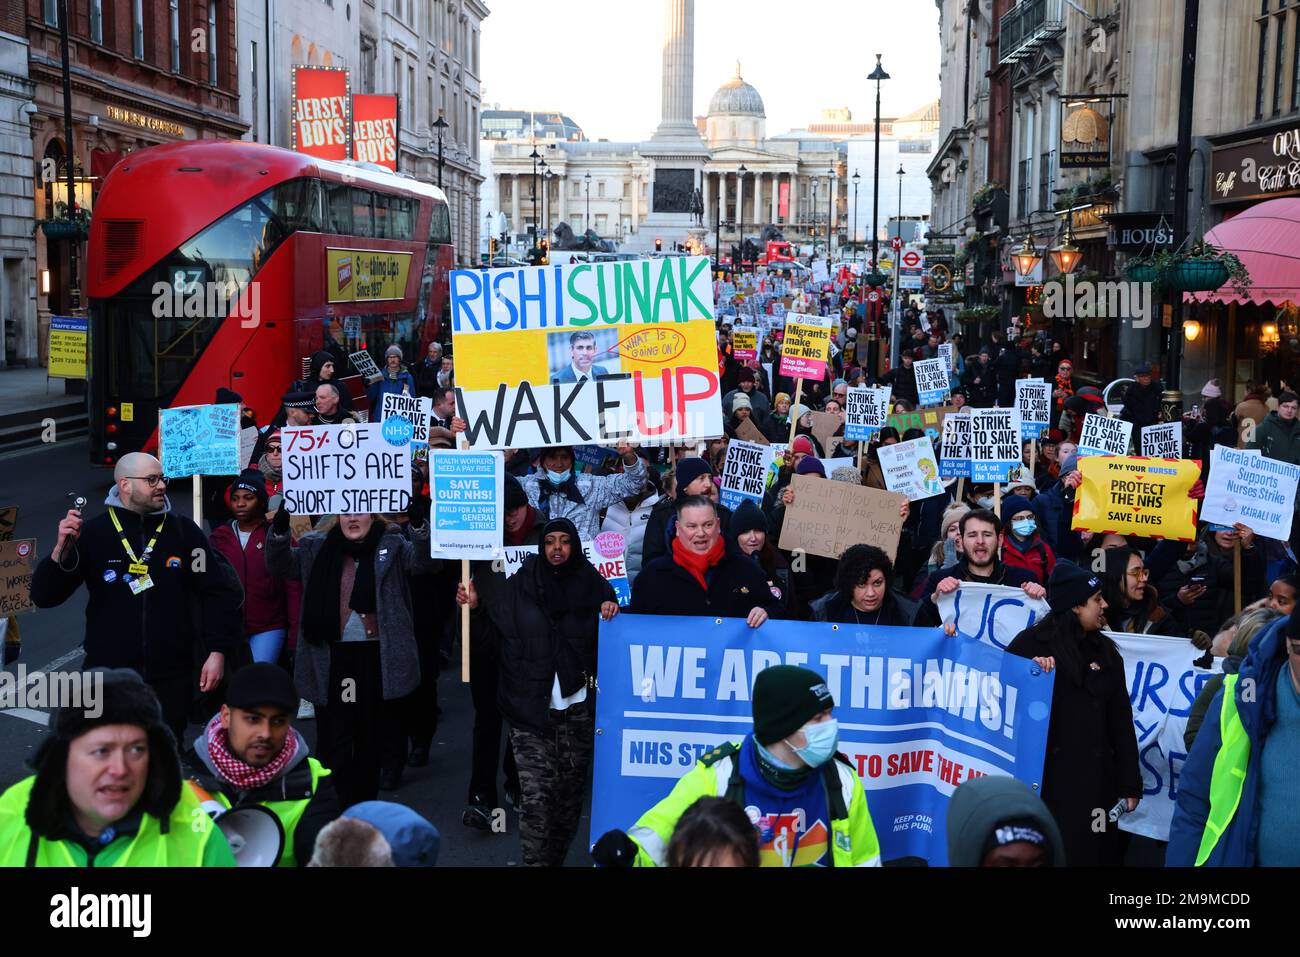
[[242, 776]]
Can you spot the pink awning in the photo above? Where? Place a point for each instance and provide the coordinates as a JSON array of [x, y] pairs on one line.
[[1266, 238]]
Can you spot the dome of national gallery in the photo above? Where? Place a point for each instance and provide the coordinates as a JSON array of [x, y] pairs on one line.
[[736, 97]]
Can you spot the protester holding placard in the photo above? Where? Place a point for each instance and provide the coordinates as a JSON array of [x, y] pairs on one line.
[[356, 624], [1092, 756], [902, 380], [159, 597], [1197, 587], [395, 379], [979, 563], [864, 592], [547, 615], [557, 492]]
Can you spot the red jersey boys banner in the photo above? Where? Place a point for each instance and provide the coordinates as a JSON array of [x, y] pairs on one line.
[[374, 129], [322, 111]]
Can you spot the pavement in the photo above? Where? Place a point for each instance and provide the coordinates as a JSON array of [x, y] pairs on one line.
[[22, 389], [38, 480]]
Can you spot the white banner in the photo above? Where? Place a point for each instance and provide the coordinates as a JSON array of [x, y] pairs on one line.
[[346, 469], [467, 492], [993, 614], [1104, 436], [1246, 487], [910, 468], [1162, 684], [1163, 441]]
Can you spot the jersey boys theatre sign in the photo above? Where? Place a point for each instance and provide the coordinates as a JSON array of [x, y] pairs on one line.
[[585, 354]]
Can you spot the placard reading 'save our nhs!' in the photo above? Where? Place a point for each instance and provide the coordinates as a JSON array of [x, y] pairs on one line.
[[598, 353], [467, 492]]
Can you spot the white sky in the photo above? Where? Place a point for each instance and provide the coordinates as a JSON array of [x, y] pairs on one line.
[[600, 61]]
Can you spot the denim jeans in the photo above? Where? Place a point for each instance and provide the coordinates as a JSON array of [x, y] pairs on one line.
[[266, 645]]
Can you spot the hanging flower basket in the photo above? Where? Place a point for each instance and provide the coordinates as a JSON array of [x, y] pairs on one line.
[[1142, 272], [875, 279], [1197, 275], [57, 229]]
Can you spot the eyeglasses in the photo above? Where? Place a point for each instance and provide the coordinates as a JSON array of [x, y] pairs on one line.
[[153, 480], [273, 448], [1142, 574]]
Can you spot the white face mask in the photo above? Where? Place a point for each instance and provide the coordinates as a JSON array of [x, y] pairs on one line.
[[985, 501]]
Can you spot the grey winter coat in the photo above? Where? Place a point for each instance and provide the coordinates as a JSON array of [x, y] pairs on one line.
[[598, 491], [396, 558]]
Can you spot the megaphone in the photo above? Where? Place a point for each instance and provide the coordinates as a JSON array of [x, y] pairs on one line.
[[254, 833]]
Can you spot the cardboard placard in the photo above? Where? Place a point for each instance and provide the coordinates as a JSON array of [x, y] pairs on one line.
[[17, 559], [747, 431], [8, 522], [824, 427], [827, 517], [1137, 496]]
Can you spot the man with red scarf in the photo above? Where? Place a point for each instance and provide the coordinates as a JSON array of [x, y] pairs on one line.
[[705, 574], [249, 754]]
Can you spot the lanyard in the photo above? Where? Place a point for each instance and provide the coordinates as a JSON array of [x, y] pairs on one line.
[[148, 549]]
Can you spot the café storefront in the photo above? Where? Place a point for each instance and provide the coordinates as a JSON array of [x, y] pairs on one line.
[[1251, 335]]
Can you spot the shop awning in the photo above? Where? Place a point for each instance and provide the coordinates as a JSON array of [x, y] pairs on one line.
[[1266, 238]]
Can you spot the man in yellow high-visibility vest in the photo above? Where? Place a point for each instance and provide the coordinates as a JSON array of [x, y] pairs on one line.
[[1237, 802], [107, 791]]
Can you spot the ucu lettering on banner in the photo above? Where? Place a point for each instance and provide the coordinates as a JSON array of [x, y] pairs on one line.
[[993, 614]]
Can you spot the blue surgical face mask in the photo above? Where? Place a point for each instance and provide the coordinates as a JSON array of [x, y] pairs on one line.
[[823, 737], [558, 478], [985, 502], [1024, 527]]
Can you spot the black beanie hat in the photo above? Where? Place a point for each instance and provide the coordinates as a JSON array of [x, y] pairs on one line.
[[123, 698], [785, 698], [516, 497], [227, 397], [688, 470], [251, 480], [1013, 505], [746, 518], [1071, 586], [259, 685]]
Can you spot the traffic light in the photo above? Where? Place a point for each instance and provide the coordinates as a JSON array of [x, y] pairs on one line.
[[659, 245], [492, 247]]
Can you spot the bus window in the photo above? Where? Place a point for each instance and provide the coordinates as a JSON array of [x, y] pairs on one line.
[[340, 209], [401, 217], [382, 229], [361, 224], [440, 225]]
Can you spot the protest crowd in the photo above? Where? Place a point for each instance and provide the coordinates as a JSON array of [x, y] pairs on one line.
[[843, 494]]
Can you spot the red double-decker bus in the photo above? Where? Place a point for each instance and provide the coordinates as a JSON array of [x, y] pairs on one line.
[[226, 264]]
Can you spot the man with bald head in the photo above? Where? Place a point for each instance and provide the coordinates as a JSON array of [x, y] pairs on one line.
[[160, 598]]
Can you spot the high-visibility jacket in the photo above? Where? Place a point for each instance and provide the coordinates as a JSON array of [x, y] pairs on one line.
[[188, 838], [288, 810], [1228, 776], [853, 837]]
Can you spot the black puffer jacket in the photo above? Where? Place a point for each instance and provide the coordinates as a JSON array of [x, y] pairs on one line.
[[537, 643]]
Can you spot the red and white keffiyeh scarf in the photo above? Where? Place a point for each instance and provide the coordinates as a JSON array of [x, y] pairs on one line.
[[234, 770]]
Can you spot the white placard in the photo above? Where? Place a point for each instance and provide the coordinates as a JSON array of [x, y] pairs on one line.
[[1246, 487], [911, 468], [947, 355], [1104, 436], [931, 381], [1163, 441], [995, 446], [364, 363], [1034, 402], [744, 474], [866, 412], [954, 446], [346, 469]]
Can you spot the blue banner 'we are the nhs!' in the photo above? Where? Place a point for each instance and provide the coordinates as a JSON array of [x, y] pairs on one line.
[[919, 713]]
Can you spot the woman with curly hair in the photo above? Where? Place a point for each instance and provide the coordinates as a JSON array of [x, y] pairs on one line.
[[864, 593]]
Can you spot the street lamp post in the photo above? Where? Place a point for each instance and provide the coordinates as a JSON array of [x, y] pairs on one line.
[[546, 198], [830, 213], [856, 179], [440, 124], [877, 74], [535, 156], [587, 180], [812, 228], [898, 258], [740, 208]]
